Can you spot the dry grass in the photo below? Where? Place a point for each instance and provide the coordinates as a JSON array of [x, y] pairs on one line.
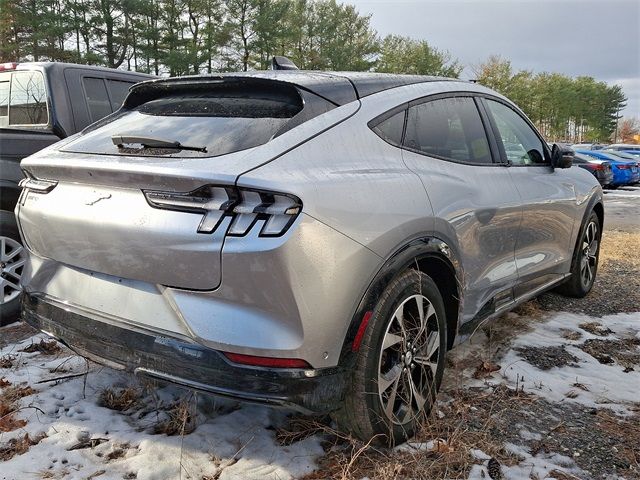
[[466, 423], [620, 247], [45, 347], [119, 399], [6, 361], [18, 446], [9, 406], [181, 419]]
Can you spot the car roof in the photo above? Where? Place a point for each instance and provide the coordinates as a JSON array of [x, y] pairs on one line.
[[337, 87], [59, 66]]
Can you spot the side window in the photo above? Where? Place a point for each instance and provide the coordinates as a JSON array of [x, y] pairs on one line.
[[28, 99], [390, 129], [118, 90], [97, 98], [450, 128], [521, 144]]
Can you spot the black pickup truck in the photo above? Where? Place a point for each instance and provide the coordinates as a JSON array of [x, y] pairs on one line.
[[41, 103]]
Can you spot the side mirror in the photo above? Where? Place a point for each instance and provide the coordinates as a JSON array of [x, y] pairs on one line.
[[561, 156]]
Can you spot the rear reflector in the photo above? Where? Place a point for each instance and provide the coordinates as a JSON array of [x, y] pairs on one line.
[[266, 361], [355, 346]]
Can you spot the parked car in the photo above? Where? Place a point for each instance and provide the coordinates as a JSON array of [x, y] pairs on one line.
[[624, 173], [588, 146], [601, 169], [302, 239], [624, 147], [40, 103], [625, 156]]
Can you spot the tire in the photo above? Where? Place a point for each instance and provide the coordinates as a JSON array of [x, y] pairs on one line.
[[584, 264], [12, 259], [368, 411]]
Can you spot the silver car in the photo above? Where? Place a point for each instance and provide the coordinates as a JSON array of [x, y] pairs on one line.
[[310, 240]]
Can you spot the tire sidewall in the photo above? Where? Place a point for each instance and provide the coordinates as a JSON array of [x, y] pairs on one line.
[[579, 253], [409, 283], [9, 312]]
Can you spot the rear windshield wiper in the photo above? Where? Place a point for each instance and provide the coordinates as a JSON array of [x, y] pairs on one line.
[[149, 142]]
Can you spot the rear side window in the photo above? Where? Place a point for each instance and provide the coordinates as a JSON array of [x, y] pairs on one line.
[[207, 121], [97, 98], [23, 99], [390, 130], [521, 143], [118, 90], [450, 128]]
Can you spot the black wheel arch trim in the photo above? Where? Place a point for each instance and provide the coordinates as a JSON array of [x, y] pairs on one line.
[[403, 258], [591, 207]]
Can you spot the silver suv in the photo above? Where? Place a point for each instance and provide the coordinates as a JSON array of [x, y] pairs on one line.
[[309, 240]]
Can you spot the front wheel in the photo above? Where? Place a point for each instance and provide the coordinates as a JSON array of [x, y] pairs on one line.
[[12, 260], [584, 265], [399, 364]]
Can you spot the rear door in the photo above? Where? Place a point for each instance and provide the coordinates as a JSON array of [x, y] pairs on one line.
[[543, 248], [473, 198]]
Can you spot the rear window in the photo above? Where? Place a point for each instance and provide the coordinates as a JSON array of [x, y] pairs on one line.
[[206, 123], [23, 99]]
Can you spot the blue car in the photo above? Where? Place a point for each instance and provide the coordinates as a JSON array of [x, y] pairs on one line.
[[624, 172]]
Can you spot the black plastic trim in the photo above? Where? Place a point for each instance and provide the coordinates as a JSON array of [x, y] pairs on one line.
[[404, 257], [185, 363]]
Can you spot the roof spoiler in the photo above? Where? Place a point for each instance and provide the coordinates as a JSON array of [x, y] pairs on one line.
[[282, 63]]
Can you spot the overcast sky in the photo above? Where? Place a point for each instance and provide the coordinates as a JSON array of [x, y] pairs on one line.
[[574, 37]]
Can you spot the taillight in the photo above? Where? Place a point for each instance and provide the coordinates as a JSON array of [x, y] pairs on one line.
[[246, 206], [36, 185], [598, 167], [273, 362], [8, 66], [623, 166]]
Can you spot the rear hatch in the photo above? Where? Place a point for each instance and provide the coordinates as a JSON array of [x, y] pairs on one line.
[[148, 193]]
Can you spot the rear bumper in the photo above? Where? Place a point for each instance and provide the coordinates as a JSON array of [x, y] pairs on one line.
[[184, 363]]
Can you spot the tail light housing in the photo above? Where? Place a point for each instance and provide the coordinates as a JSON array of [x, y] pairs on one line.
[[246, 207], [624, 166]]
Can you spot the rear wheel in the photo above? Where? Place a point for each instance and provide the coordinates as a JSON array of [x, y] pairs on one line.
[[585, 260], [400, 362], [12, 260]]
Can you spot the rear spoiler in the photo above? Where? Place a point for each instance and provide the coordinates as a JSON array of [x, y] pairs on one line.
[[336, 90]]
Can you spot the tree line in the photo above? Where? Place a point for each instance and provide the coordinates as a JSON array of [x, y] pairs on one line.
[[182, 37], [577, 109]]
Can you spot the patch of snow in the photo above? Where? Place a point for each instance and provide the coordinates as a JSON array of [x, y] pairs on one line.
[[236, 444], [608, 385]]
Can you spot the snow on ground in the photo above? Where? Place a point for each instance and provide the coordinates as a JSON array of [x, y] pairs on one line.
[[607, 384], [239, 442], [625, 191]]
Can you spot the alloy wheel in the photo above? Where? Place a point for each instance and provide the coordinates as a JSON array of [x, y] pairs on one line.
[[12, 260], [408, 360], [589, 258]]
